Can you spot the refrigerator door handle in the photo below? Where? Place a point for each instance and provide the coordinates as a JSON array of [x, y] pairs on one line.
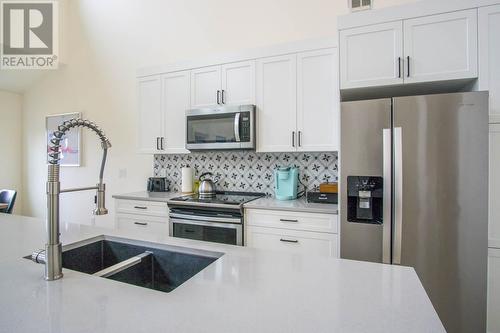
[[387, 166], [398, 196]]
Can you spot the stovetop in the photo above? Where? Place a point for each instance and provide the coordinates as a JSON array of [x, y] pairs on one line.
[[221, 198]]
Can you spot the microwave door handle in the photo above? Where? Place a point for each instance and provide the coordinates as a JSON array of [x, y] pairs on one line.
[[237, 126]]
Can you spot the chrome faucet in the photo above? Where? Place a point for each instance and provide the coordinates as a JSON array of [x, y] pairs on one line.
[[51, 256]]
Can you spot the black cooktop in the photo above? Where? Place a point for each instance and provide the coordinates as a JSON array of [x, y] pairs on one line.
[[226, 198]]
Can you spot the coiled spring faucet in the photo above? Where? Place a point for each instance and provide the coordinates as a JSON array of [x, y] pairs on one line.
[[51, 256]]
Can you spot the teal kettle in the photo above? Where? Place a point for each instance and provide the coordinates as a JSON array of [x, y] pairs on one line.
[[286, 181]]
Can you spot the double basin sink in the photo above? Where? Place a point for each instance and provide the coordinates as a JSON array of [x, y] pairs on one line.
[[154, 266]]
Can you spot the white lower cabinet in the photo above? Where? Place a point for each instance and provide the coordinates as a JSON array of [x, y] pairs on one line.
[[294, 232], [494, 290], [304, 242], [139, 207], [142, 216], [142, 224]]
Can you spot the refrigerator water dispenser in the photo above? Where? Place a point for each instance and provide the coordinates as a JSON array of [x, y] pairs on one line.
[[365, 199]]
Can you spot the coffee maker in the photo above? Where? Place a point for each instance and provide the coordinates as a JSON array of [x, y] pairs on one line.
[[286, 181]]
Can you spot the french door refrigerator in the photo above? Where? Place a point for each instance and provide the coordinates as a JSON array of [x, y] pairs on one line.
[[414, 180]]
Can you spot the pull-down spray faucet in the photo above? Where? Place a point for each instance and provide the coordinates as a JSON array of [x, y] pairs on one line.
[[51, 256]]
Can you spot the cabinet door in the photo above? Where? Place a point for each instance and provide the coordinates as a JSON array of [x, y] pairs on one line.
[[176, 100], [276, 104], [205, 84], [371, 56], [493, 290], [139, 224], [150, 114], [317, 101], [489, 54], [302, 242], [494, 187], [441, 47], [238, 83]]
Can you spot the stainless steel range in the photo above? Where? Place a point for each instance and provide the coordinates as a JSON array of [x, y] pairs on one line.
[[218, 219]]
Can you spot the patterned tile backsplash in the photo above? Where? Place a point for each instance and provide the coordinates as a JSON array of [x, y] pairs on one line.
[[248, 171]]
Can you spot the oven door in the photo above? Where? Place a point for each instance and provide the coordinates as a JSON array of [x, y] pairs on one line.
[[210, 229]]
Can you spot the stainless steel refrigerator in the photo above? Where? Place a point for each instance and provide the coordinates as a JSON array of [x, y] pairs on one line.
[[414, 180]]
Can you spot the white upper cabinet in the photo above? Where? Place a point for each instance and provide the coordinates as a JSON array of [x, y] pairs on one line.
[[276, 104], [489, 54], [430, 48], [205, 85], [150, 116], [228, 84], [371, 55], [441, 47], [176, 100], [317, 101], [238, 83]]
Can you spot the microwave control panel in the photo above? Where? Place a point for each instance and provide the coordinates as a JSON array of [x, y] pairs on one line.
[[245, 127]]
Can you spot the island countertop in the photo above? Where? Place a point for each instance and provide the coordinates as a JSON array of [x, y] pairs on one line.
[[246, 290]]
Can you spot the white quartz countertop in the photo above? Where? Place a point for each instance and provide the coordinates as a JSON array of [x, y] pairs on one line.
[[298, 205], [148, 196], [246, 290]]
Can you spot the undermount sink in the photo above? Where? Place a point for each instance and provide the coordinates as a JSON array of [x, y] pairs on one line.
[[154, 266]]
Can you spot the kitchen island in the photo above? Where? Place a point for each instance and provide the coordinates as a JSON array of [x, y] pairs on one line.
[[245, 290]]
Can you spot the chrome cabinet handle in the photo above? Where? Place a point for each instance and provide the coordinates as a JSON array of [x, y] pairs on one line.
[[141, 223], [287, 220], [408, 64], [157, 143], [293, 138], [223, 96], [162, 143], [300, 138], [218, 97], [288, 240], [140, 207]]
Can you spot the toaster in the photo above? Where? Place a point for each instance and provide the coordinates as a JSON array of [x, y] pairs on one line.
[[158, 184]]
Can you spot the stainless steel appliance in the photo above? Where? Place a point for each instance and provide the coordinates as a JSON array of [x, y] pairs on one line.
[[158, 184], [221, 127], [218, 219], [414, 180], [206, 190]]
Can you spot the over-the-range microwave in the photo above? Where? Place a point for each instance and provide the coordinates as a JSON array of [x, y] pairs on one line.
[[225, 127]]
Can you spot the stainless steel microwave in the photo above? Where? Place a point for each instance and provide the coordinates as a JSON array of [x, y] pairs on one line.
[[226, 127]]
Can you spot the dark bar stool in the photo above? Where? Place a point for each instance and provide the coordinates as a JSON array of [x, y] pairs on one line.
[[8, 197]]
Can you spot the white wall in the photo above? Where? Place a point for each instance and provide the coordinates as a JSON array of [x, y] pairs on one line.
[[108, 40], [10, 144]]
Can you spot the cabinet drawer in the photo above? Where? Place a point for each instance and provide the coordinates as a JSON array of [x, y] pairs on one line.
[[140, 223], [141, 207], [292, 220], [293, 241]]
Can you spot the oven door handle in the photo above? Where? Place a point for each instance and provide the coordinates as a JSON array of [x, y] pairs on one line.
[[205, 218], [237, 126], [206, 224]]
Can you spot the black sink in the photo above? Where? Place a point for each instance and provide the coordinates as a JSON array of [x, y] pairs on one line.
[[161, 268]]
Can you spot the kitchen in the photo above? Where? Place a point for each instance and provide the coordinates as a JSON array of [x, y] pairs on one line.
[[293, 98]]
